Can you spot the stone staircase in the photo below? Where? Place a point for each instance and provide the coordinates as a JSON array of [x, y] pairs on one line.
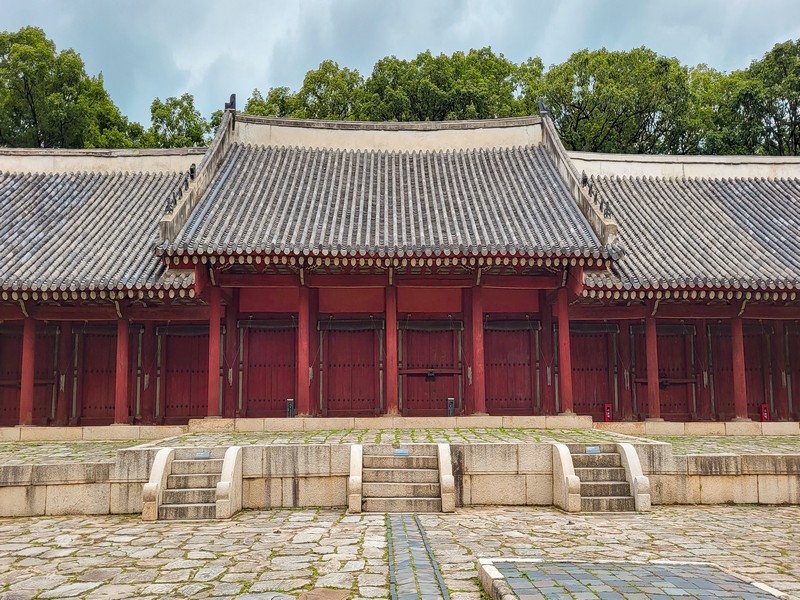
[[393, 483], [191, 485], [604, 485]]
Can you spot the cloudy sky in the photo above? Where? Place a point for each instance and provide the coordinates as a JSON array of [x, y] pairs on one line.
[[150, 48]]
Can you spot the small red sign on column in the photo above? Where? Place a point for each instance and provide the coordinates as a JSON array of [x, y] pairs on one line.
[[608, 413], [765, 412]]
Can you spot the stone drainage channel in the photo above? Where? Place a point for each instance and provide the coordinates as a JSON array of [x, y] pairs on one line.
[[413, 571]]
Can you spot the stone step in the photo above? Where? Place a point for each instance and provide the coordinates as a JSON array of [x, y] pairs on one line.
[[401, 505], [190, 453], [196, 467], [182, 482], [596, 460], [608, 504], [189, 496], [413, 449], [581, 448], [187, 512], [605, 488], [401, 490], [600, 474], [401, 462], [400, 475]]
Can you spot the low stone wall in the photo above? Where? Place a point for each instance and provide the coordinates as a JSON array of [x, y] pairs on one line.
[[701, 428], [93, 433]]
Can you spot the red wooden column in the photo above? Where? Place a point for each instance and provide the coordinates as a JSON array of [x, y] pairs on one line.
[[149, 375], [564, 352], [121, 373], [478, 366], [392, 375], [651, 349], [739, 376], [703, 380], [27, 372], [547, 353], [65, 370], [230, 374], [779, 372], [303, 402], [626, 380], [215, 314]]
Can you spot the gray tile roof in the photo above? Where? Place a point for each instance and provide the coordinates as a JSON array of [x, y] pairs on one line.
[[83, 231], [717, 233], [378, 203]]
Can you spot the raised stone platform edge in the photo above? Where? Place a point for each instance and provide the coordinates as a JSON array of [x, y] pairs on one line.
[[90, 433]]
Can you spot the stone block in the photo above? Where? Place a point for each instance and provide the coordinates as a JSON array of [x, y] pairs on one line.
[[210, 425], [535, 458], [508, 490], [292, 461], [381, 422], [463, 488], [78, 499], [525, 422], [274, 492], [424, 422], [71, 473], [9, 434], [704, 428], [159, 432], [490, 458], [322, 491], [15, 474], [133, 464], [674, 489], [283, 424], [714, 464], [663, 428], [50, 434], [22, 501], [327, 423], [742, 428], [126, 498], [254, 493], [539, 489], [111, 432], [724, 489], [253, 461], [778, 489], [568, 422], [248, 424], [781, 428], [624, 427], [479, 422], [340, 459], [771, 464], [655, 458]]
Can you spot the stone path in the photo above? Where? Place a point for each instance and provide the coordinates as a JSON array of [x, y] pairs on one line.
[[735, 444], [413, 572], [277, 555], [620, 580], [30, 453]]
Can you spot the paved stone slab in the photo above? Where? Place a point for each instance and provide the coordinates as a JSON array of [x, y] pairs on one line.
[[39, 453], [733, 444]]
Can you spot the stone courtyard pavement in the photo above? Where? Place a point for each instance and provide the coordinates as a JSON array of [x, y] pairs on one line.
[[279, 554]]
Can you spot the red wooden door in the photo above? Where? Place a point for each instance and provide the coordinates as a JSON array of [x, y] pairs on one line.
[[794, 371], [97, 351], [676, 373], [44, 376], [430, 370], [593, 356], [351, 374], [510, 375], [756, 367], [184, 376], [270, 378]]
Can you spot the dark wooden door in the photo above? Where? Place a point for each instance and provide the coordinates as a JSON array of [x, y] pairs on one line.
[[756, 367], [270, 378], [794, 370], [592, 371], [510, 371], [430, 371], [184, 377], [676, 372], [44, 376], [351, 374], [97, 355]]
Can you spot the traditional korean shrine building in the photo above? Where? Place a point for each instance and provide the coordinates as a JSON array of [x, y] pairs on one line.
[[421, 269]]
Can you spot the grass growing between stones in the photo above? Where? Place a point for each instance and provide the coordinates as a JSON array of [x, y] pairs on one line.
[[28, 453], [734, 444]]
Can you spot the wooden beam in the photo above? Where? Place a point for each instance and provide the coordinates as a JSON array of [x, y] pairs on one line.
[[608, 313], [765, 311], [257, 280], [11, 312], [215, 314], [73, 313], [391, 367], [564, 352], [322, 280], [121, 374], [168, 313], [425, 282], [303, 402], [739, 374], [27, 372], [521, 282], [201, 279], [478, 366], [653, 391], [575, 283]]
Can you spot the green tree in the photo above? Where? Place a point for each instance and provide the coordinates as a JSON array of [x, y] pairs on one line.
[[47, 100], [280, 102], [176, 123], [329, 92]]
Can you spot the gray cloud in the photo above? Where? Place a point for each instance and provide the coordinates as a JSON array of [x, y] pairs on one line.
[[147, 48]]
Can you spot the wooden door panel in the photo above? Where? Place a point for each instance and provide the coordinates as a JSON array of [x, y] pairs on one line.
[[509, 375], [44, 376], [592, 372], [10, 375], [96, 380], [756, 360], [676, 375], [271, 376], [794, 371], [351, 372], [185, 373], [431, 371]]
